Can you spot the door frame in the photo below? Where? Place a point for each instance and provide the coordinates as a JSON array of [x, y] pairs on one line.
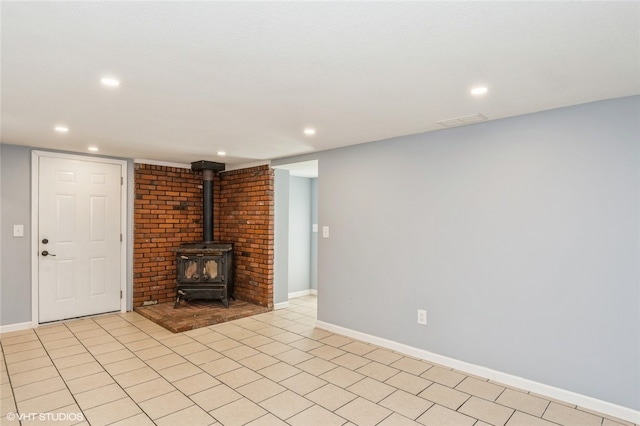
[[35, 196]]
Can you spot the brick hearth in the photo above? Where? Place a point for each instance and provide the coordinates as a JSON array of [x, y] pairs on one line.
[[198, 313]]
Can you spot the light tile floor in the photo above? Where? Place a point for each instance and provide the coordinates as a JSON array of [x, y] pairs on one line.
[[270, 369]]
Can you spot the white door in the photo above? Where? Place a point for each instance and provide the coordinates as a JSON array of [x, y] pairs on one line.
[[79, 261]]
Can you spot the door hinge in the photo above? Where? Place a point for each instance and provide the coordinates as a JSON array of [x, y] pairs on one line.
[[120, 294], [121, 180], [120, 237]]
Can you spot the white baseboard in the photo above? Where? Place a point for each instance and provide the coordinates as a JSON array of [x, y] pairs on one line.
[[15, 327], [280, 305], [299, 294], [583, 401], [314, 292]]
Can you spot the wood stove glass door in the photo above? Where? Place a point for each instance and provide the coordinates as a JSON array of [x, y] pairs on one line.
[[189, 269], [212, 269]]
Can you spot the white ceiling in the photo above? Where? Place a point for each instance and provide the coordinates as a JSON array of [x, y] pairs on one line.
[[248, 77]]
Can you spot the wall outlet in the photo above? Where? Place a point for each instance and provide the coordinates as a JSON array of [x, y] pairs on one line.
[[422, 316]]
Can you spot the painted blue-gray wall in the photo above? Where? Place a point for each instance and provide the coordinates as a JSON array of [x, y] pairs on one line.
[[299, 234], [314, 235], [15, 260], [15, 253], [281, 237], [519, 236], [296, 246]]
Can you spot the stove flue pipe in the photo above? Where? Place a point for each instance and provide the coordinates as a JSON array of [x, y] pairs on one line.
[[207, 205], [208, 171]]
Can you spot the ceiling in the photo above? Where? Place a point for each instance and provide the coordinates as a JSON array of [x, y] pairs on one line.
[[247, 78]]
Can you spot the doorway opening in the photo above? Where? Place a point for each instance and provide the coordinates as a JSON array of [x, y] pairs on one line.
[[296, 231]]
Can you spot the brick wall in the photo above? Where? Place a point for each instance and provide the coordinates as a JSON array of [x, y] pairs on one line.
[[246, 219], [168, 212]]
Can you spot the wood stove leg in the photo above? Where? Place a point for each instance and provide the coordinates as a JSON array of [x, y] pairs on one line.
[[180, 294], [225, 302]]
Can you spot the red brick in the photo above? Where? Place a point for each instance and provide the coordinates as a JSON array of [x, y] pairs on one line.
[[167, 212]]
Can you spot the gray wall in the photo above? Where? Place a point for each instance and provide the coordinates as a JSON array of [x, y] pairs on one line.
[[281, 237], [299, 234], [314, 235], [15, 209], [15, 253], [296, 246], [520, 237]]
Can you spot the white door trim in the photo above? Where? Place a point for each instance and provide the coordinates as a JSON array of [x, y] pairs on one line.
[[35, 194]]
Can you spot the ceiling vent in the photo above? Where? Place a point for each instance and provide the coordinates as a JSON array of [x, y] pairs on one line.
[[461, 121]]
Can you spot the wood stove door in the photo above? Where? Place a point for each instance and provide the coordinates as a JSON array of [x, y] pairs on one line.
[[189, 269], [212, 269]]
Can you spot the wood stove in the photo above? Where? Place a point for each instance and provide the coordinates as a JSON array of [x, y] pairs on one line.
[[205, 269]]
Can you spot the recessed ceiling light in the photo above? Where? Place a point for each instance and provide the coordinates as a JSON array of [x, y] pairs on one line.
[[309, 132], [93, 148], [480, 90], [61, 129], [110, 81], [222, 153]]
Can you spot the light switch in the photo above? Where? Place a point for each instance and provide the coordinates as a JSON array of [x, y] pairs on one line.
[[314, 227], [325, 232], [18, 230]]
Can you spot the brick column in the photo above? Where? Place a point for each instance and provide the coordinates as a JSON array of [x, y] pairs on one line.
[[247, 220]]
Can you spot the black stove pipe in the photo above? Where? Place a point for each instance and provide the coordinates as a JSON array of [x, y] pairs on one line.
[[208, 170], [207, 205]]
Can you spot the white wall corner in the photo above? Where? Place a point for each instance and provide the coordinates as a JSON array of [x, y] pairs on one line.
[[280, 305]]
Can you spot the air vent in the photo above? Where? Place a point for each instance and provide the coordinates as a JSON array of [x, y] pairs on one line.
[[461, 121]]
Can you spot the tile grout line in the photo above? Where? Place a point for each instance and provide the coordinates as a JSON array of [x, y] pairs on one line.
[[291, 390], [58, 370], [203, 371], [147, 365], [102, 366], [267, 378], [6, 367]]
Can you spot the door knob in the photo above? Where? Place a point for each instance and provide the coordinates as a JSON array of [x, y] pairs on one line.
[[45, 241], [46, 253]]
